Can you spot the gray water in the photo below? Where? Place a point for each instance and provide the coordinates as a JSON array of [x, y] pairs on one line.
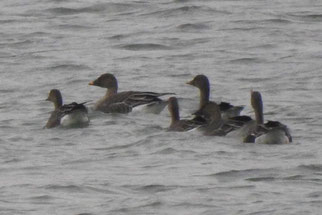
[[129, 164]]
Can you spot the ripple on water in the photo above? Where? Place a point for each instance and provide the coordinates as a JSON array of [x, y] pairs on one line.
[[155, 188], [248, 60], [13, 160], [85, 214], [69, 67], [42, 199], [277, 20], [193, 27], [311, 167], [307, 17], [124, 146], [74, 27], [94, 9], [67, 188], [316, 194], [140, 209], [144, 47], [185, 10], [166, 151], [170, 150], [258, 175], [258, 179], [21, 139]]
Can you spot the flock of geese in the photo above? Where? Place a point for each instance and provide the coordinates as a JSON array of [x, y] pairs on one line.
[[211, 118]]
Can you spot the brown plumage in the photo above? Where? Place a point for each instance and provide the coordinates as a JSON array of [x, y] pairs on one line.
[[178, 124], [227, 110], [121, 102], [77, 113], [271, 132], [215, 126]]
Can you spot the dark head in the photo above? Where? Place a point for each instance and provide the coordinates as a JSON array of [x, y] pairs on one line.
[[106, 80], [55, 97], [257, 104], [173, 108], [200, 81]]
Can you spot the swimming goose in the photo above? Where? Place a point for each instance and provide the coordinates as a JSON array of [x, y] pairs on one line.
[[69, 115], [227, 110], [216, 126], [123, 102], [178, 124], [272, 132], [244, 125]]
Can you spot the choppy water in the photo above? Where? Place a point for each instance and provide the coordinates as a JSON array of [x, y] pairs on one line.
[[128, 164]]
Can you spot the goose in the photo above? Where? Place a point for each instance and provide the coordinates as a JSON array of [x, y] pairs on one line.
[[215, 125], [178, 124], [123, 102], [271, 132], [227, 110], [68, 115]]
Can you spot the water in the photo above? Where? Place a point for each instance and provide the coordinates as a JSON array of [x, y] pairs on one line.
[[128, 164]]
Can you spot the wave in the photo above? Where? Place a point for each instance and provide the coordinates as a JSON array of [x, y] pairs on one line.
[[69, 66], [167, 151], [144, 47], [137, 209], [264, 21], [277, 20], [186, 10], [246, 28], [18, 44], [193, 26], [69, 188], [307, 17], [97, 8], [247, 60], [74, 27], [6, 21], [234, 173], [42, 198], [313, 167], [85, 214], [155, 188], [254, 175], [258, 179]]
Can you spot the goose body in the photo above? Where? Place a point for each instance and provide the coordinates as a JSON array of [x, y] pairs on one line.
[[271, 132], [123, 102], [227, 110], [69, 115], [215, 126], [178, 124]]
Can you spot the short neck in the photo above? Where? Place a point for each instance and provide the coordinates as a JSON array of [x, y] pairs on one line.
[[204, 95]]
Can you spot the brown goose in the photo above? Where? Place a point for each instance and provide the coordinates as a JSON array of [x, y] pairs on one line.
[[178, 124], [216, 126], [122, 102], [69, 115], [202, 83], [271, 132]]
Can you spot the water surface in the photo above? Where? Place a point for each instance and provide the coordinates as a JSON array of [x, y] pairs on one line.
[[129, 164]]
